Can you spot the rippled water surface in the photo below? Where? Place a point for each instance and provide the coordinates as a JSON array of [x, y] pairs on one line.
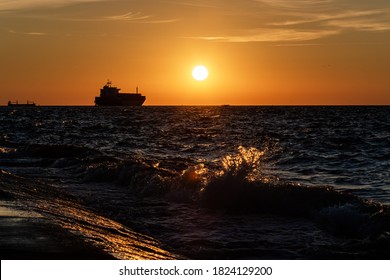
[[218, 182]]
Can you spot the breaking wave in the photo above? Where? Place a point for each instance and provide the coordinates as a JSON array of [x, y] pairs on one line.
[[238, 183]]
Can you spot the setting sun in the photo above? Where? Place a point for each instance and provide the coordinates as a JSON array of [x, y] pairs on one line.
[[200, 73]]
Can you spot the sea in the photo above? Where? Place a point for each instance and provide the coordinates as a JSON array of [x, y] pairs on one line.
[[209, 182]]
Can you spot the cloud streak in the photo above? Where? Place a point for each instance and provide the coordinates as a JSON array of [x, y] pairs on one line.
[[297, 4], [274, 35], [130, 16], [10, 5], [307, 20], [135, 17], [27, 33], [318, 18], [27, 9], [223, 20]]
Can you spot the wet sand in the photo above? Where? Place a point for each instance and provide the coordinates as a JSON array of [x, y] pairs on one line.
[[26, 235], [41, 222]]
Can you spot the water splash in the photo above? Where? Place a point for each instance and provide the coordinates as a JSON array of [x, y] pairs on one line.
[[246, 164]]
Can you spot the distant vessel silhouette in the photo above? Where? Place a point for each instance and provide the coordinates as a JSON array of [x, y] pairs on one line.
[[110, 96], [17, 104]]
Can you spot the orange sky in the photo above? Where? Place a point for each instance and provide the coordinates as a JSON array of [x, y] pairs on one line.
[[258, 52]]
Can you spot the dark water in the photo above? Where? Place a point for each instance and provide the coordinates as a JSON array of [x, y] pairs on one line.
[[219, 182]]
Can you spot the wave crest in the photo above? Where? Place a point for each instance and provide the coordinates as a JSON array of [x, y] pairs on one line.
[[238, 184], [246, 164]]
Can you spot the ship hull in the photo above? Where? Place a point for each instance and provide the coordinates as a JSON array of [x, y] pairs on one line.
[[21, 104], [120, 100]]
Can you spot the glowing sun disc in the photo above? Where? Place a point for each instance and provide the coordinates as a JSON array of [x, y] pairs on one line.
[[200, 73]]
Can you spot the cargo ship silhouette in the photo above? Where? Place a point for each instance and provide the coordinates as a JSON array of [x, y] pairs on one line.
[[110, 96]]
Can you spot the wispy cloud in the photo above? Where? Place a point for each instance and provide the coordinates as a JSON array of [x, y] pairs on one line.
[[27, 33], [98, 15], [296, 3], [289, 21], [35, 33], [274, 35], [130, 16], [136, 17], [196, 4], [360, 25], [323, 17], [6, 5], [371, 20], [345, 14], [306, 20]]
